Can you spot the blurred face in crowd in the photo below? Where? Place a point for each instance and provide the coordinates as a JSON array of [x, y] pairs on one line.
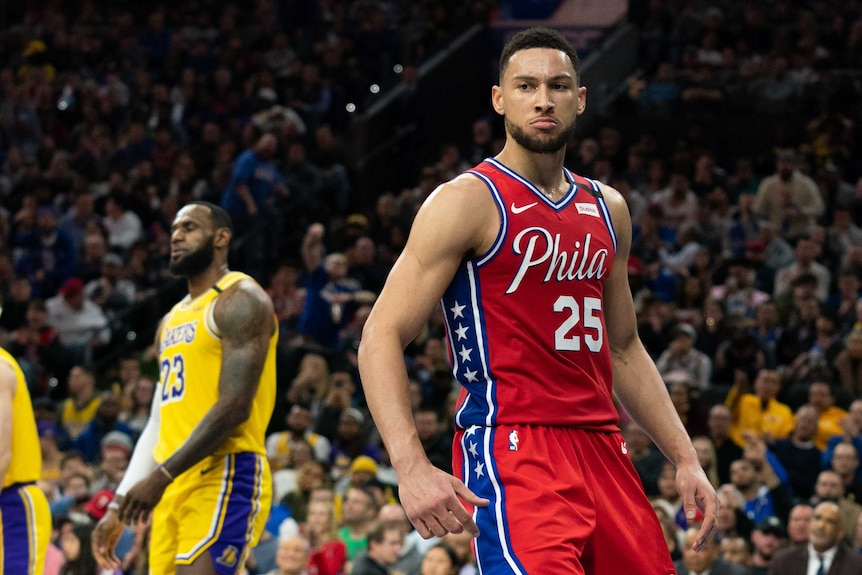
[[825, 531], [437, 562], [767, 384], [386, 552], [806, 423], [356, 507], [719, 421], [292, 555], [845, 460], [798, 523], [742, 474], [698, 561], [829, 486], [735, 550]]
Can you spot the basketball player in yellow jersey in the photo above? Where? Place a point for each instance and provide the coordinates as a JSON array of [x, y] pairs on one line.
[[25, 519], [200, 464]]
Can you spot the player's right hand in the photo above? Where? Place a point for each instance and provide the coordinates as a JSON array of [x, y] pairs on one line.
[[430, 499], [105, 537]]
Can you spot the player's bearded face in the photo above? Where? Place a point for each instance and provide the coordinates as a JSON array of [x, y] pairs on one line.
[[543, 143], [195, 262]]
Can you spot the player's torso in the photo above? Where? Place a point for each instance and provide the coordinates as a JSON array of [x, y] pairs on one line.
[[26, 464], [190, 358], [526, 327]]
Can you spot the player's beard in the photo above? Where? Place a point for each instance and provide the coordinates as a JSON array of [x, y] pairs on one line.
[[196, 262], [540, 145]]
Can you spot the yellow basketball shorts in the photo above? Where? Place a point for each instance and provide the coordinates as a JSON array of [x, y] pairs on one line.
[[218, 506]]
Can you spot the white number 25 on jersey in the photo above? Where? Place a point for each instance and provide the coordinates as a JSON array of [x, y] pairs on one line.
[[586, 314]]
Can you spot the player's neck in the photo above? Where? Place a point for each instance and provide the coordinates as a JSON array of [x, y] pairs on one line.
[[203, 281], [545, 171]]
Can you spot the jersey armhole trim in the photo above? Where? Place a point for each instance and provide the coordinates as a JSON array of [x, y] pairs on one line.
[[504, 220]]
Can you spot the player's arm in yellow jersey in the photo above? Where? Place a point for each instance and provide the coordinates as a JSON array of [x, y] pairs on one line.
[[244, 315], [8, 384]]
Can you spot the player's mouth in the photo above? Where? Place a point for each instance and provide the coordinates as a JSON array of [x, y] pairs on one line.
[[544, 123]]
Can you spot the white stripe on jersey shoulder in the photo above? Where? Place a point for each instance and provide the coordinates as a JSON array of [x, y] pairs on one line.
[[603, 206], [209, 319], [504, 218], [559, 204]]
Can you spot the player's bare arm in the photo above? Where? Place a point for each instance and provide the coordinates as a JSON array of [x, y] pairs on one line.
[[458, 220], [638, 384]]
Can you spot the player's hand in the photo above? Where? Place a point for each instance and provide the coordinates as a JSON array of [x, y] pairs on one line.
[[697, 492], [430, 499], [143, 497], [105, 536]]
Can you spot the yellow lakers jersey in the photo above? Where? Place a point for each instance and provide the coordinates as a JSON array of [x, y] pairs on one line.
[[190, 356], [26, 463]]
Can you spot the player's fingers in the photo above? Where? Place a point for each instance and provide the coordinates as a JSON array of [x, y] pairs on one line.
[[710, 508], [436, 527], [464, 493], [422, 529]]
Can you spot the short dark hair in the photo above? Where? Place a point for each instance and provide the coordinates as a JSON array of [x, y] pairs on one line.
[[378, 531], [538, 37], [220, 217]]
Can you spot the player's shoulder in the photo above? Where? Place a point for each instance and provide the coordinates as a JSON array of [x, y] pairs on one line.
[[245, 297]]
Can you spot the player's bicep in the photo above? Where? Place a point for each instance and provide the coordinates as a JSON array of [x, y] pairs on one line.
[[449, 226], [244, 316]]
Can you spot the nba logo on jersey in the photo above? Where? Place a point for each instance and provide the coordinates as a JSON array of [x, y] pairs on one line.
[[229, 556], [513, 440]]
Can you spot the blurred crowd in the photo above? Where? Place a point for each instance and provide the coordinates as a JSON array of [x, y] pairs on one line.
[[745, 268]]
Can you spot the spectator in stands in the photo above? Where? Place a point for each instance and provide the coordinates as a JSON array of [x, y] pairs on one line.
[[350, 442], [759, 412], [845, 463], [436, 443], [789, 198], [80, 218], [414, 548], [328, 552], [136, 405], [280, 444], [292, 556], [357, 516], [851, 427], [822, 398], [705, 560], [105, 422], [736, 550], [111, 292], [331, 296], [81, 325], [681, 355], [767, 539], [116, 450], [848, 364], [79, 409], [677, 202], [804, 263], [384, 543], [798, 453], [647, 459], [726, 450], [755, 478], [798, 523], [252, 190], [827, 550], [830, 487], [48, 256], [122, 224]]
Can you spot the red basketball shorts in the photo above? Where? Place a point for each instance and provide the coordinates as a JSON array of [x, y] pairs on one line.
[[564, 501]]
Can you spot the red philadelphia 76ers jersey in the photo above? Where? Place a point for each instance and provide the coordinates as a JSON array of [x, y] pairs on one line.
[[525, 321]]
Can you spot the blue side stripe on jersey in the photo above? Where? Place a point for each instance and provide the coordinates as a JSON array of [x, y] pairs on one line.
[[468, 347]]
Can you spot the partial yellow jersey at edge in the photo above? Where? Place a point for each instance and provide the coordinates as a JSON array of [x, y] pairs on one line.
[[190, 358], [26, 463]]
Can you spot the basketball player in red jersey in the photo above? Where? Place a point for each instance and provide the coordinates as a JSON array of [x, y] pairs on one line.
[[529, 262]]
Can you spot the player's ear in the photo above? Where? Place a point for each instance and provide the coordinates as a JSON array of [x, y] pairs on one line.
[[582, 99], [497, 100], [222, 238]]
